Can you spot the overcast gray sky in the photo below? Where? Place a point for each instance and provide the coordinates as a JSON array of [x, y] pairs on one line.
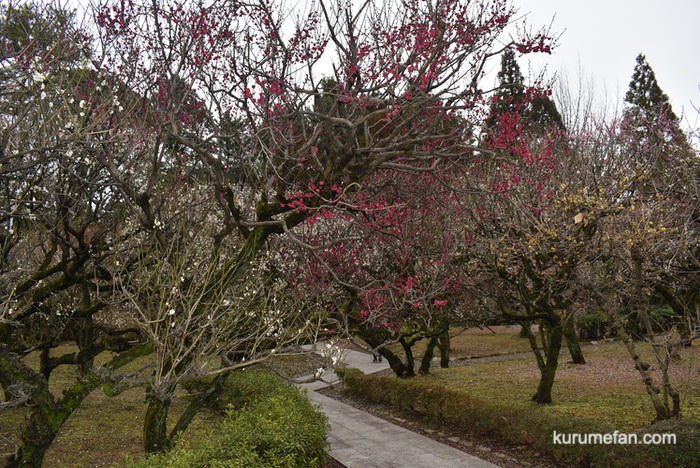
[[605, 36]]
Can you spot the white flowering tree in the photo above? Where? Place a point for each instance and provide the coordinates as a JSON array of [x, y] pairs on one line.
[[58, 217], [200, 325]]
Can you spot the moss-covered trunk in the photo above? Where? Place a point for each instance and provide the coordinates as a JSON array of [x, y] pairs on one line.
[[40, 429], [155, 436], [554, 334], [196, 404], [428, 356], [572, 340], [409, 368], [661, 406], [46, 415]]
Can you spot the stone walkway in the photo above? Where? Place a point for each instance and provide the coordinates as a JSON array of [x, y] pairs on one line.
[[361, 440]]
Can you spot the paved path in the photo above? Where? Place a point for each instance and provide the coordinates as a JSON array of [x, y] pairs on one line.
[[361, 440]]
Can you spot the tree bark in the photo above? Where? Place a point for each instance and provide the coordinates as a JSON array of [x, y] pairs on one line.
[[428, 356], [572, 341], [643, 367], [409, 368], [525, 330], [544, 337], [155, 438], [444, 346], [47, 415], [554, 334], [397, 365], [640, 301], [195, 405]]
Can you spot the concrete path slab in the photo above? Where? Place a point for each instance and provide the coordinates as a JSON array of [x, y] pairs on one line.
[[361, 440]]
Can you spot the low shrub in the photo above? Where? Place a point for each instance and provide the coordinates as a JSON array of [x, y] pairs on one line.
[[592, 327], [269, 423], [686, 450], [662, 318]]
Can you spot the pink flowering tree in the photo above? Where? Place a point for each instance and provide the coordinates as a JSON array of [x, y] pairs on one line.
[[394, 278]]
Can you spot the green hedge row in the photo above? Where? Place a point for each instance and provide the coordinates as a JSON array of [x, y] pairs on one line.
[[269, 423], [523, 426]]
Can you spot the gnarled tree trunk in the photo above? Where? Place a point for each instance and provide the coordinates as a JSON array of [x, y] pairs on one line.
[[548, 366], [155, 436], [572, 340], [47, 414], [428, 355]]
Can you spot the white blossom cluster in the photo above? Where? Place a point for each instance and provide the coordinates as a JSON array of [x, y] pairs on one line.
[[332, 354]]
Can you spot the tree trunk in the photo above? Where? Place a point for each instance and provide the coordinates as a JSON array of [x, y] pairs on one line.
[[642, 367], [155, 438], [525, 330], [554, 334], [397, 365], [196, 404], [84, 330], [640, 302], [544, 337], [534, 347], [444, 346], [40, 430], [46, 415], [428, 356], [572, 340], [409, 370]]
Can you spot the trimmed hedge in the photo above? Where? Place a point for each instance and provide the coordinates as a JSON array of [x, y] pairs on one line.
[[269, 423], [686, 452], [519, 426]]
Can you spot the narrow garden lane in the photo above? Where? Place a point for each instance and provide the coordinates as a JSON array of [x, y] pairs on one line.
[[361, 440]]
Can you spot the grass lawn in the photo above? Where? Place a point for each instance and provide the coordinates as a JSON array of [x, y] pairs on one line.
[[493, 341], [475, 342], [607, 388]]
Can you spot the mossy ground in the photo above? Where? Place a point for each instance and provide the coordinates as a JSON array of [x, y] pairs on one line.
[[104, 430]]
